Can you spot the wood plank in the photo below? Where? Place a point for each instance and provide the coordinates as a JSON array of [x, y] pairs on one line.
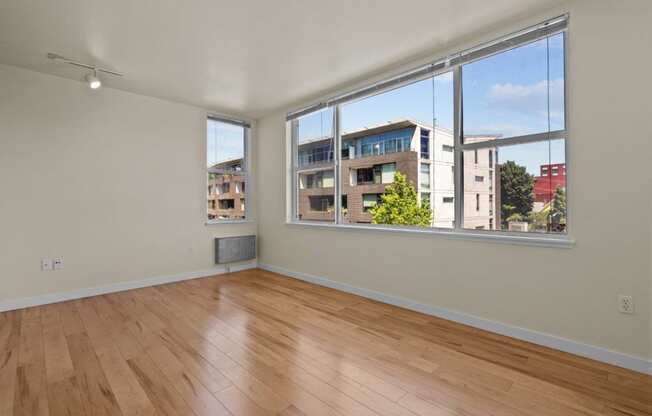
[[257, 343]]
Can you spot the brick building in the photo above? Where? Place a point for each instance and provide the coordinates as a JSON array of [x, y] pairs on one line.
[[226, 190], [371, 156]]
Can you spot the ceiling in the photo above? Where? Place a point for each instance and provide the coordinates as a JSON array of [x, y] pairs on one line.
[[243, 57]]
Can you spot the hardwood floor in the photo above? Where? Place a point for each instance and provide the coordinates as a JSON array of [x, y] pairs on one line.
[[257, 343]]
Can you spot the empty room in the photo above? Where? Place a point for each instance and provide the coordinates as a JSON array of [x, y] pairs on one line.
[[326, 208]]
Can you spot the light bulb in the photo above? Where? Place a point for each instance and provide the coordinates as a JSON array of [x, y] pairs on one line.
[[93, 81]]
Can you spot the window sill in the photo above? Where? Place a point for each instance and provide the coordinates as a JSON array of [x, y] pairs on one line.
[[220, 222], [495, 237]]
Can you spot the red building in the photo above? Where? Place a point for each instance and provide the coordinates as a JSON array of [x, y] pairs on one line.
[[551, 177]]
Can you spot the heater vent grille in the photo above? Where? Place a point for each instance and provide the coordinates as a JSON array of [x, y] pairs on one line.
[[232, 249]]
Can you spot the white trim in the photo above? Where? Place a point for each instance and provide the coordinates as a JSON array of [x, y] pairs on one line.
[[527, 239], [221, 222], [12, 304], [640, 364]]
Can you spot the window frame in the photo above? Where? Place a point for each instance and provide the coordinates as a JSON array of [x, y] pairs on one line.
[[558, 240], [246, 169]]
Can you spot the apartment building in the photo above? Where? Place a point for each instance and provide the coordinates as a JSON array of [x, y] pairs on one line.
[[226, 190], [551, 177], [371, 156]]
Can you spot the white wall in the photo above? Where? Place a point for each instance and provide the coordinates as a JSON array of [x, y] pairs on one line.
[[111, 181], [570, 293]]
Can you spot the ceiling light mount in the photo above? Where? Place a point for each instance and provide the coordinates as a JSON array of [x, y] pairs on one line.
[[93, 80]]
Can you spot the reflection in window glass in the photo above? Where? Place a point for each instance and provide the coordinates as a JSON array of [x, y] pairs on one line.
[[226, 166], [314, 166], [513, 93]]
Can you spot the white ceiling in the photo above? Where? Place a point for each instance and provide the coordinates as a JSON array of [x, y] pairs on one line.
[[245, 57]]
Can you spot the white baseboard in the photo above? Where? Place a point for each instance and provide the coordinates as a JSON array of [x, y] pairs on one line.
[[8, 305], [604, 355]]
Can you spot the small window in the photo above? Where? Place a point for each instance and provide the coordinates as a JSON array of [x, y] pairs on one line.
[[448, 199], [365, 176], [322, 203], [479, 178], [370, 200], [425, 144], [447, 148], [475, 156], [227, 203], [425, 175], [477, 202], [226, 162]]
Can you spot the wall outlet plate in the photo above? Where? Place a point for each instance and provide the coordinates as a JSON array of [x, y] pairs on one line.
[[46, 264], [625, 304], [57, 263]]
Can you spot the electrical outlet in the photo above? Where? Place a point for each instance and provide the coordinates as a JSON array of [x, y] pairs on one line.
[[46, 265], [625, 304], [57, 263]]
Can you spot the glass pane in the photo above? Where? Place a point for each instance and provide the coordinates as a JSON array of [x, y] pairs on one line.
[[314, 166], [225, 170], [385, 139], [525, 191], [516, 92], [443, 153]]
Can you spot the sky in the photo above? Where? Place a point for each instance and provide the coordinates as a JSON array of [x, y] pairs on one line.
[[505, 94], [225, 142]]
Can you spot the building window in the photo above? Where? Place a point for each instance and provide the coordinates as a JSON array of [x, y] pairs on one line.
[[370, 200], [498, 118], [425, 144], [227, 163], [365, 176], [227, 203], [322, 203], [425, 175]]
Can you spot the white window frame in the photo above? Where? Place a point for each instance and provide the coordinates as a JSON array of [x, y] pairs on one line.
[[452, 63], [246, 169]]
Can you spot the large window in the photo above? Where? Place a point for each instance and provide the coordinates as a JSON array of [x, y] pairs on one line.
[[473, 142], [227, 169]]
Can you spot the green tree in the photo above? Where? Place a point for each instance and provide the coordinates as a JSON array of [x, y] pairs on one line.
[[559, 203], [399, 205], [558, 208], [516, 191]]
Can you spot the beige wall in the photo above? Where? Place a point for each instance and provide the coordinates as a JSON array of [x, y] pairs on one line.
[[111, 181], [570, 293]]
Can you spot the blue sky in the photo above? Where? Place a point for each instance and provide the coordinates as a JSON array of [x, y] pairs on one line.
[[505, 94], [225, 142]]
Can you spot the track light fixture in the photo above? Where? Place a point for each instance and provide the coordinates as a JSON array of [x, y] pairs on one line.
[[93, 80]]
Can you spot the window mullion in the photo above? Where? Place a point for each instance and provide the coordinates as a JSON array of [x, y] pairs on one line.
[[457, 138], [337, 138]]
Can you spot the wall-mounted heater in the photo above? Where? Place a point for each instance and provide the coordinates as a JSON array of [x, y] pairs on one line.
[[232, 249]]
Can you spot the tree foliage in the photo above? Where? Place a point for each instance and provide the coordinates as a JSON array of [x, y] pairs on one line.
[[558, 209], [399, 205], [516, 191]]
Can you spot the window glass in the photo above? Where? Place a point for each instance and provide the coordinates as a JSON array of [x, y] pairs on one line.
[[226, 170], [516, 92], [401, 159], [530, 198], [314, 166]]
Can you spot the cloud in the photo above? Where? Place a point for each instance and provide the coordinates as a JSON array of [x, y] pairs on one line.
[[529, 98]]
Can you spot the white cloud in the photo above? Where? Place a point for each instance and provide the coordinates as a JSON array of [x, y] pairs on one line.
[[528, 98]]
